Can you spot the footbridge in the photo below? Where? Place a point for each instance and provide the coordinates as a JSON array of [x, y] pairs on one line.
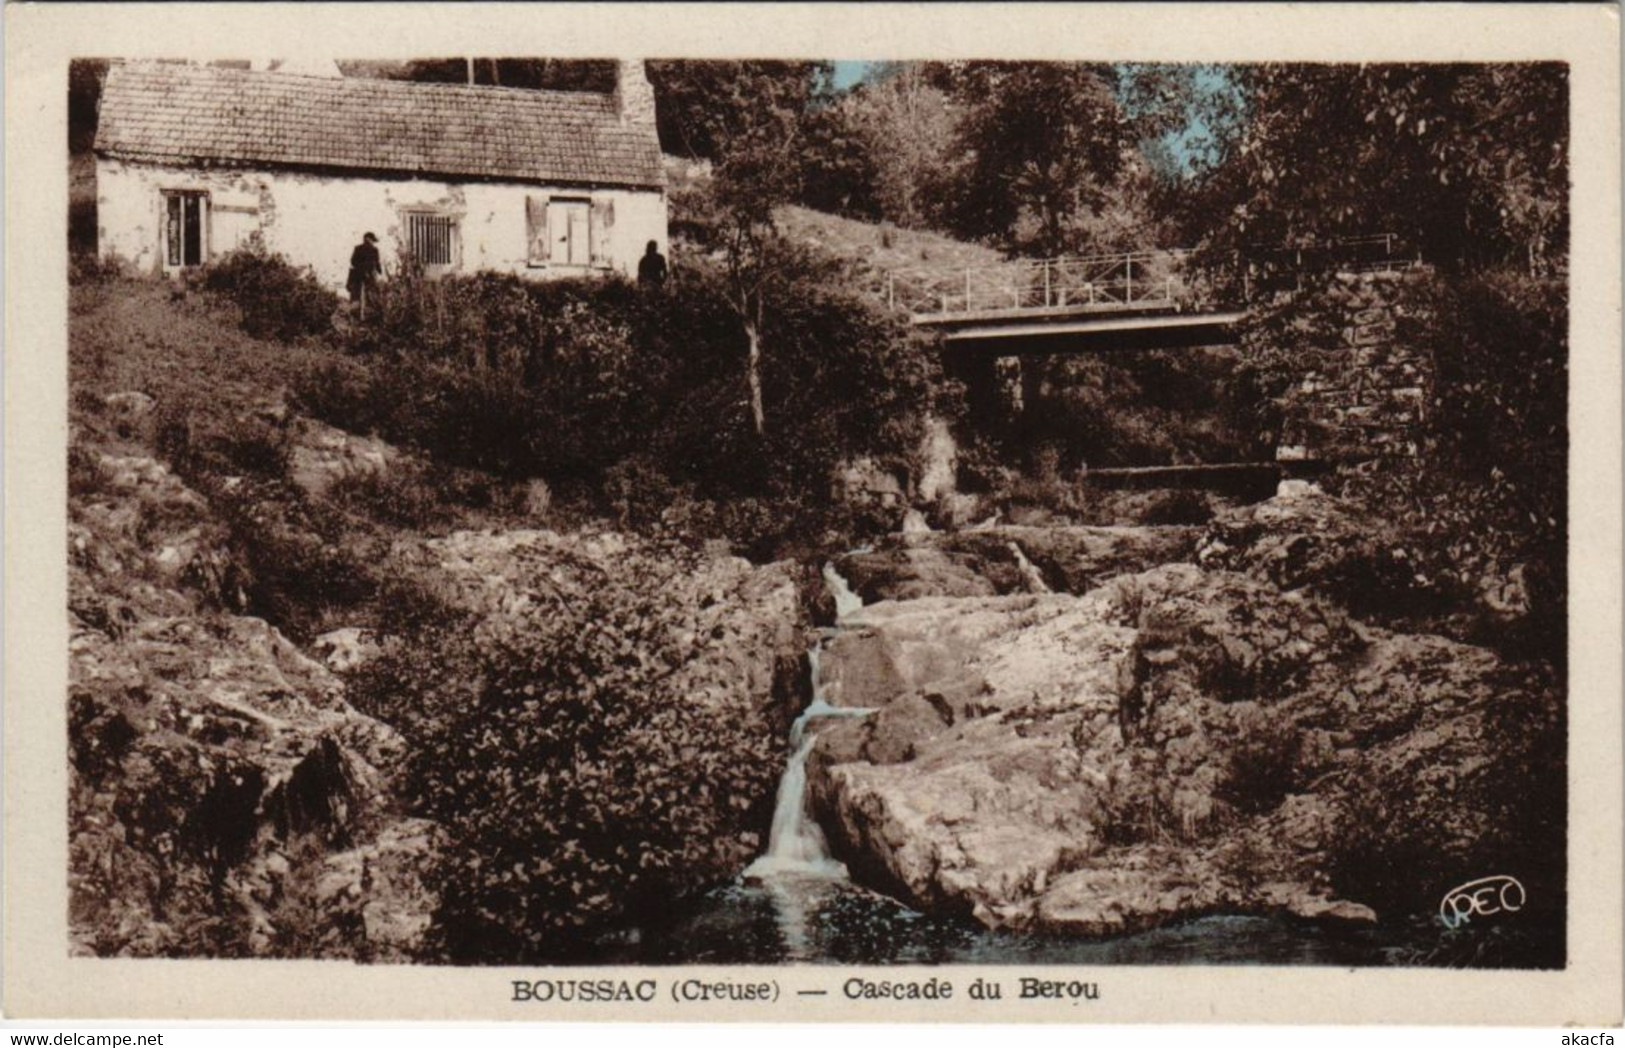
[[1116, 301]]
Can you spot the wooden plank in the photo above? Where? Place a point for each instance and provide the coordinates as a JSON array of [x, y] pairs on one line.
[[1149, 472]]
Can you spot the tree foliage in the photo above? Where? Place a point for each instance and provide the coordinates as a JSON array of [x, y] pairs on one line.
[[579, 785], [550, 74], [638, 397], [883, 150], [701, 107], [750, 119], [1043, 144], [1466, 163]]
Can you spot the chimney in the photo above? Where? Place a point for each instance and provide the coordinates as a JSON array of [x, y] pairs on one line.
[[634, 98]]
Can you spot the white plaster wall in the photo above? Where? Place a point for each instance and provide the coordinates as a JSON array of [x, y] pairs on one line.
[[316, 220]]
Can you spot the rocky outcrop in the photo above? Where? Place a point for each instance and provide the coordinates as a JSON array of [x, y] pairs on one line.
[[1305, 538], [1309, 539], [320, 455], [225, 799], [1174, 742], [747, 619], [989, 561]]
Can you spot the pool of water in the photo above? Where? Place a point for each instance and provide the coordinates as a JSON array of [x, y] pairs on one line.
[[833, 921]]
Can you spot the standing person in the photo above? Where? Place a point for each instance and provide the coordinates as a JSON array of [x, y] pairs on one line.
[[652, 266], [364, 270]]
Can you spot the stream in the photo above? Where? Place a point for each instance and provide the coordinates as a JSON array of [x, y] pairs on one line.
[[796, 903]]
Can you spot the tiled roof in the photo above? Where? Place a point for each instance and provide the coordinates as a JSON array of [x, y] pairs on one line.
[[185, 113]]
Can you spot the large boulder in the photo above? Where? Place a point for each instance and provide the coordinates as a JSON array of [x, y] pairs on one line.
[[1306, 539], [746, 618], [321, 455], [1172, 743], [218, 774]]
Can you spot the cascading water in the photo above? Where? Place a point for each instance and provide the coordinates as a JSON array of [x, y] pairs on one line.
[[797, 868], [796, 845], [914, 523], [795, 903], [1030, 575], [846, 603]]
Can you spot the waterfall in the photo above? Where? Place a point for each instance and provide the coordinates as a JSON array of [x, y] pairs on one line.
[[846, 602], [1030, 575], [795, 845], [914, 523]]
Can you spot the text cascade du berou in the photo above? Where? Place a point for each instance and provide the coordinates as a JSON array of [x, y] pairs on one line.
[[856, 988]]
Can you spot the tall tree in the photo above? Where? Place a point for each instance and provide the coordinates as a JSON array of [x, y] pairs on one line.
[[1467, 163], [1044, 142], [553, 74], [701, 105], [907, 124], [750, 119]]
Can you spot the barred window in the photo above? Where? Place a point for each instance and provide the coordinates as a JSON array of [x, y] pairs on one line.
[[432, 239]]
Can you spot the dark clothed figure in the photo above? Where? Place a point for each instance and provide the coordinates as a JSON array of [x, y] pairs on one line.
[[364, 268], [652, 266]]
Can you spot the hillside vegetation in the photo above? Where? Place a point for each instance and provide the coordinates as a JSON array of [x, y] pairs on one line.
[[470, 630]]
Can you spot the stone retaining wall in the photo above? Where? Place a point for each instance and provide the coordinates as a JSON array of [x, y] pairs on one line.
[[1363, 390]]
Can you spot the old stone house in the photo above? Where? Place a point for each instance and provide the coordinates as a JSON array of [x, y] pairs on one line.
[[194, 161]]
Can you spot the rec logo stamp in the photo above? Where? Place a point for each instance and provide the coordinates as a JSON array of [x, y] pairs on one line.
[[1484, 897]]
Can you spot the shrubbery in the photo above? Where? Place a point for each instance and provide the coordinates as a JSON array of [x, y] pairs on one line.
[[1404, 838], [636, 400], [277, 299], [296, 560], [580, 787]]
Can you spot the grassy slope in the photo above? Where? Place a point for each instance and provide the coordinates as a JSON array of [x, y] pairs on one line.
[[321, 559], [185, 351], [882, 247]]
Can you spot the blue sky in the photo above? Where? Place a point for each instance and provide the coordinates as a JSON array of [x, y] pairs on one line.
[[849, 73], [1180, 142]]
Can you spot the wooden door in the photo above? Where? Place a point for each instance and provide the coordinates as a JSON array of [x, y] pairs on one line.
[[569, 226]]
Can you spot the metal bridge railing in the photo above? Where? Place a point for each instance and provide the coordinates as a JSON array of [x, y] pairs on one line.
[[1127, 281], [1136, 279]]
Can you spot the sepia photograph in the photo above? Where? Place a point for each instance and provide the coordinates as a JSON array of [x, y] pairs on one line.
[[527, 511], [602, 515]]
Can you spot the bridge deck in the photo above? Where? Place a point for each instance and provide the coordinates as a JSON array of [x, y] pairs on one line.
[[1128, 300], [1076, 334], [1099, 309]]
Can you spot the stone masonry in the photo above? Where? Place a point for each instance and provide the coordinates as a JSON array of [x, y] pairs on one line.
[[1364, 386]]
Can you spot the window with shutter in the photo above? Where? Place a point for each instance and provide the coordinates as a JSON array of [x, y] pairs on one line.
[[537, 249], [568, 226], [603, 218]]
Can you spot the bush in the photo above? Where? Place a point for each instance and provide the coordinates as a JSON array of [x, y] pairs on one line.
[[86, 474], [1487, 494], [277, 299], [296, 560], [87, 267], [579, 787], [637, 400], [1150, 408], [253, 446], [1181, 506], [1406, 840], [414, 495], [401, 495]]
